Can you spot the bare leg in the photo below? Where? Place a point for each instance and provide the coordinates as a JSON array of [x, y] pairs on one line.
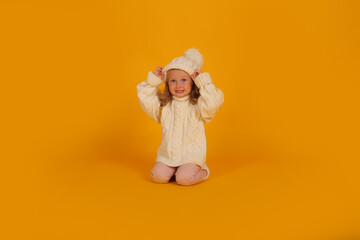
[[161, 173], [190, 174]]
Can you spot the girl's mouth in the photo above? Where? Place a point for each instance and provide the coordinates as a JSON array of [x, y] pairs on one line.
[[179, 91]]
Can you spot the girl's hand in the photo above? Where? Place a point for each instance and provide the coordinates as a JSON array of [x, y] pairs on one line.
[[158, 72], [196, 73]]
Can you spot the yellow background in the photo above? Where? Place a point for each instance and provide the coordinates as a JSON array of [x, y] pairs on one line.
[[77, 149]]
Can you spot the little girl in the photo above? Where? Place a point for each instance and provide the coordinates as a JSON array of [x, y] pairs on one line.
[[189, 100]]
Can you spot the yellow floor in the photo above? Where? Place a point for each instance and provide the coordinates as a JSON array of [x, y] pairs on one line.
[[91, 196]]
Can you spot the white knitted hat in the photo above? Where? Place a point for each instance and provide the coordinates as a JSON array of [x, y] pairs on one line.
[[191, 61]]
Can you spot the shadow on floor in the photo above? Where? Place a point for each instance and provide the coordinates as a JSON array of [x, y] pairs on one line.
[[121, 148]]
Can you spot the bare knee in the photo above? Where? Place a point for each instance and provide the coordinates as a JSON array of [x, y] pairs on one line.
[[185, 179], [190, 174], [159, 176]]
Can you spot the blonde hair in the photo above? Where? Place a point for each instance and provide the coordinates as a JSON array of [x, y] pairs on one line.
[[165, 96]]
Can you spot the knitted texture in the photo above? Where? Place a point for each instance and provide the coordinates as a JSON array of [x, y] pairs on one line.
[[182, 123], [191, 61]]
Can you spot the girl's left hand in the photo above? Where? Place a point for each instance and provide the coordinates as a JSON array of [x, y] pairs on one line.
[[196, 73]]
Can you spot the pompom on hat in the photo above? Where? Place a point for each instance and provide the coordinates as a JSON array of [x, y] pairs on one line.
[[191, 61]]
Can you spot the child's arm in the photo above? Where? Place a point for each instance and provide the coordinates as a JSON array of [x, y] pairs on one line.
[[211, 97], [146, 92]]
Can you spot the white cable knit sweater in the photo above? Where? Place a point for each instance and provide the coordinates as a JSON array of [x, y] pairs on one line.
[[182, 123]]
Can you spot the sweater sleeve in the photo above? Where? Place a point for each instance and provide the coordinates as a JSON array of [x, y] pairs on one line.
[[146, 92], [211, 98]]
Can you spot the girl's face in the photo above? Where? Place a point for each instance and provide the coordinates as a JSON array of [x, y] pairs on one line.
[[180, 82]]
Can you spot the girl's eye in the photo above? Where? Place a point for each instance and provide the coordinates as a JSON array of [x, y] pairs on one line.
[[172, 80], [184, 80]]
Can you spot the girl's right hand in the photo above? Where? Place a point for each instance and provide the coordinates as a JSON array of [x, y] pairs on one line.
[[158, 72]]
